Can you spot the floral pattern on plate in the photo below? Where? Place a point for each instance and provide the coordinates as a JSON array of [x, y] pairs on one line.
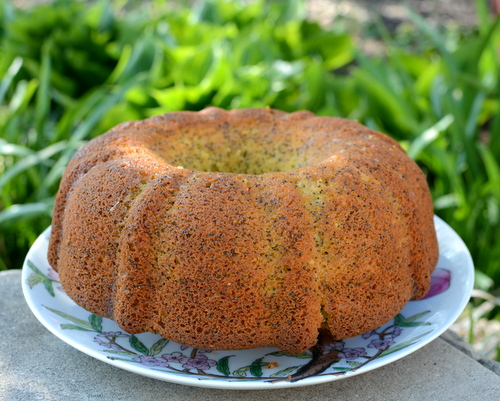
[[151, 355]]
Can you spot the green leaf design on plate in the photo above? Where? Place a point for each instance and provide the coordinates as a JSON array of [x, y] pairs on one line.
[[415, 324], [35, 269], [66, 326], [341, 369], [73, 319], [418, 316], [402, 321], [285, 372], [256, 367], [114, 358], [96, 322], [48, 285], [34, 279], [303, 355], [124, 353], [158, 347], [38, 277], [402, 345], [241, 372], [354, 364], [223, 365], [138, 345]]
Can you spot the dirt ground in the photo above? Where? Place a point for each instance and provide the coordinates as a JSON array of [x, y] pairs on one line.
[[393, 12]]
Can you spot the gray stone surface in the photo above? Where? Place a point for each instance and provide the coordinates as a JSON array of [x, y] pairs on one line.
[[455, 340], [35, 365]]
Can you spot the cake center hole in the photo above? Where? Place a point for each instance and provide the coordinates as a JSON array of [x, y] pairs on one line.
[[232, 151]]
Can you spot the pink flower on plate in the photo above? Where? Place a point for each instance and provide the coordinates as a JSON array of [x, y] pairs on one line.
[[381, 344], [440, 282], [335, 345], [151, 361], [199, 362], [177, 357], [352, 353], [368, 334], [53, 275]]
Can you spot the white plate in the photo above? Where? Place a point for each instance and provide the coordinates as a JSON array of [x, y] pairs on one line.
[[264, 368]]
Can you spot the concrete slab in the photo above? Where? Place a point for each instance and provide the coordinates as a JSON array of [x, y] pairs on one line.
[[35, 365]]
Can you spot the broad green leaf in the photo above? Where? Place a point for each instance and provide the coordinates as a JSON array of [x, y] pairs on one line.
[[316, 88], [336, 50], [285, 372], [138, 345], [241, 372], [96, 322], [139, 59], [223, 365], [34, 279], [354, 364], [214, 12], [193, 69], [483, 13], [291, 10], [48, 286], [171, 99], [256, 367], [157, 347]]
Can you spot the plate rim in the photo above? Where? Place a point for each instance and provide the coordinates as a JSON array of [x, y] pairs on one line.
[[195, 381]]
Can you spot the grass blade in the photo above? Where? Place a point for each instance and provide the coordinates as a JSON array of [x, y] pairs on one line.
[[42, 157], [9, 76], [26, 211], [42, 96], [436, 39], [429, 136]]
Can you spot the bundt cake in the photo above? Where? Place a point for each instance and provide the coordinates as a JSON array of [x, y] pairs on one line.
[[242, 229]]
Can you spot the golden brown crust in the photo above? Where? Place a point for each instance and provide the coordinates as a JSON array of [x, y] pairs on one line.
[[275, 226]]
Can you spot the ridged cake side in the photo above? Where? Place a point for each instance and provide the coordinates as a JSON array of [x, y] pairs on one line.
[[340, 237]]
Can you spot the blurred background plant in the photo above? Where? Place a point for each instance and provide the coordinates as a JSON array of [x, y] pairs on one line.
[[70, 70]]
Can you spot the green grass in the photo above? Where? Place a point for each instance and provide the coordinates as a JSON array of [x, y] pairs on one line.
[[69, 72]]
